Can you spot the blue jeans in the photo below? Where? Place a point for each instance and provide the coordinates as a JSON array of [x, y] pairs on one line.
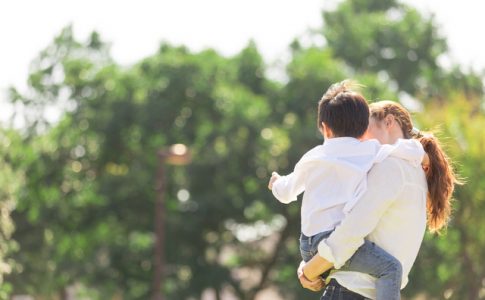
[[369, 259], [334, 291]]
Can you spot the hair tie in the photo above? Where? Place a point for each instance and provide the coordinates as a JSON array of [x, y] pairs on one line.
[[416, 132]]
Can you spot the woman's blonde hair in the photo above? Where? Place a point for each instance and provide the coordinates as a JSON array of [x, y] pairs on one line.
[[440, 175]]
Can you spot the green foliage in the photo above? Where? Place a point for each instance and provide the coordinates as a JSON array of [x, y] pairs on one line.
[[10, 184], [384, 36], [444, 261]]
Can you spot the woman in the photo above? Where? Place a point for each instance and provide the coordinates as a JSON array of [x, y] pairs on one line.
[[393, 211]]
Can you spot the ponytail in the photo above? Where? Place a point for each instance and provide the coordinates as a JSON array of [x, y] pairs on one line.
[[441, 181]]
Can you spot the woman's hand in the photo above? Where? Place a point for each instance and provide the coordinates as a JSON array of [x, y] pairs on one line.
[[274, 177], [315, 285], [316, 266]]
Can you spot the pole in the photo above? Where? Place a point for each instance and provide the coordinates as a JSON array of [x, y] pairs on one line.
[[159, 232], [177, 154]]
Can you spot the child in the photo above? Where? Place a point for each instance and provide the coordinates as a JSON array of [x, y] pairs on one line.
[[333, 177]]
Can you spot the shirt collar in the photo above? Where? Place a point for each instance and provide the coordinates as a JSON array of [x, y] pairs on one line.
[[349, 146], [340, 141]]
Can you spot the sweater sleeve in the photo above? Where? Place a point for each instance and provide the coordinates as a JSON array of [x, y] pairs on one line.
[[385, 181]]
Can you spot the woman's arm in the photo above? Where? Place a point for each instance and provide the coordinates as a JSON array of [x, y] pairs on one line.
[[314, 284], [316, 266], [385, 181]]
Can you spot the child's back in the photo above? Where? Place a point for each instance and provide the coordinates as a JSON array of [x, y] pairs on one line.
[[331, 175]]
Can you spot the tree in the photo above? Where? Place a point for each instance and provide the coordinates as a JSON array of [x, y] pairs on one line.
[[86, 211]]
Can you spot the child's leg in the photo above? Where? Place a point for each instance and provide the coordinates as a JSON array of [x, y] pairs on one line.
[[316, 239], [305, 248], [375, 261]]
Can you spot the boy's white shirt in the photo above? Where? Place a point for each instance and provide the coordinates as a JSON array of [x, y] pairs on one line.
[[334, 177]]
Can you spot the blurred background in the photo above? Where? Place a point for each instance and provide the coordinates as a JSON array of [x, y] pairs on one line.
[[137, 140]]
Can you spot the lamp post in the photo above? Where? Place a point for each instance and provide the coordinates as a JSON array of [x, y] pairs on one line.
[[177, 154]]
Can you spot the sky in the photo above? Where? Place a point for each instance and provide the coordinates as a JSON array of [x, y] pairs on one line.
[[136, 28]]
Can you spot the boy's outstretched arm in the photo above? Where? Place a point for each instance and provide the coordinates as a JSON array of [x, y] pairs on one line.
[[287, 188]]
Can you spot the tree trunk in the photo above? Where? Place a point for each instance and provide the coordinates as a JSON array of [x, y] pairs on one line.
[[271, 262]]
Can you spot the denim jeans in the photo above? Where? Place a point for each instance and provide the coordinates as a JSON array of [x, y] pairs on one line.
[[334, 291], [369, 259]]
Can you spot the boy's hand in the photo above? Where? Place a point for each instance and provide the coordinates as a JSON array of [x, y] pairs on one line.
[[274, 177]]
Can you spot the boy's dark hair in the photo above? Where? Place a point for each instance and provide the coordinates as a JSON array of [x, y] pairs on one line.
[[346, 112]]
